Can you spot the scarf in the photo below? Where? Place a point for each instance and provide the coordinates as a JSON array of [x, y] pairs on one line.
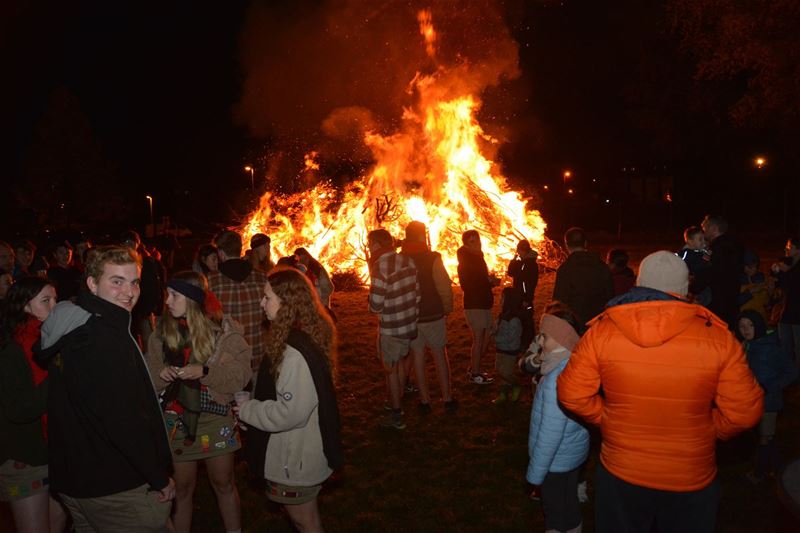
[[255, 451], [550, 360], [183, 396], [26, 335]]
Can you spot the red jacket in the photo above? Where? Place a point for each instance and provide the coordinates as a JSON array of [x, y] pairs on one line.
[[673, 378]]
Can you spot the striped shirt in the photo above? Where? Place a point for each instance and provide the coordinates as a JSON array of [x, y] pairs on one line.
[[394, 294]]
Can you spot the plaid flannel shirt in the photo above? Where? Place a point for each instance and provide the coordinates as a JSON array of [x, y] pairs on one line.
[[242, 301], [394, 294]]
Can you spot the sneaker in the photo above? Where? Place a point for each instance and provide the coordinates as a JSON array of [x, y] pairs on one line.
[[515, 392], [481, 378], [410, 389], [583, 496], [501, 397], [388, 407], [451, 406], [424, 408], [393, 420]]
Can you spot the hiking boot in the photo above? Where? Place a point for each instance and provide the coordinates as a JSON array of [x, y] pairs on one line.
[[451, 406], [424, 408], [481, 378], [515, 392], [393, 420]]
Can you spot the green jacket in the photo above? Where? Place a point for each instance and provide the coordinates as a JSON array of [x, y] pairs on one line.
[[22, 405]]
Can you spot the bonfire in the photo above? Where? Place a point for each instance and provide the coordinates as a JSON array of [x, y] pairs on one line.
[[433, 169]]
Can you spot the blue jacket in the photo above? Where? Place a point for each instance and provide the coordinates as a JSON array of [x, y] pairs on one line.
[[772, 368], [556, 442]]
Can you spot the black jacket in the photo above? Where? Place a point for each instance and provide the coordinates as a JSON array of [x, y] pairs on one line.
[[473, 276], [727, 265], [525, 273], [584, 283], [789, 281], [106, 433]]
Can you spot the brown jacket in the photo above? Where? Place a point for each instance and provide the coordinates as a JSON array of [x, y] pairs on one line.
[[228, 367]]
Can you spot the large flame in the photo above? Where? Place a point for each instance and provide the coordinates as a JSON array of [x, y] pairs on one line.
[[433, 170]]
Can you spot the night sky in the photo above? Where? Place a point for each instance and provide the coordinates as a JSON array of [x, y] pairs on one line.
[[172, 99]]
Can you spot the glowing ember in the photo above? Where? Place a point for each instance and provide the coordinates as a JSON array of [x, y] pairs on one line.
[[433, 170]]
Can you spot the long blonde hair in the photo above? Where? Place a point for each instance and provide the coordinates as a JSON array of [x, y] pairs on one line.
[[300, 308], [201, 326]]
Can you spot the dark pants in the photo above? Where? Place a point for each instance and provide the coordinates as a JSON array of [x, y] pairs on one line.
[[562, 510], [528, 326], [621, 507]]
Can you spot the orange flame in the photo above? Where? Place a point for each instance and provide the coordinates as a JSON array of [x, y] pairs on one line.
[[427, 31], [433, 170]]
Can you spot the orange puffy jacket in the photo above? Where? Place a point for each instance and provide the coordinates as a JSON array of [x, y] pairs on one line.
[[673, 378]]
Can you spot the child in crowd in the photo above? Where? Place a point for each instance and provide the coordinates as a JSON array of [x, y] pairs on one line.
[[698, 260], [507, 333], [755, 290], [557, 444], [774, 371], [621, 273]]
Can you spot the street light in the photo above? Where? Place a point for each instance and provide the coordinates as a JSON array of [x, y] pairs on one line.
[[152, 220], [760, 162], [249, 169]]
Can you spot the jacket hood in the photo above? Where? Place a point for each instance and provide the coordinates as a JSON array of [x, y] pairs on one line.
[[236, 269], [63, 319], [648, 317], [759, 324]]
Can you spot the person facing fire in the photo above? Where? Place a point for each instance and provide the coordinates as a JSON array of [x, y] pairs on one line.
[[475, 281], [524, 270], [583, 281], [238, 286], [664, 379], [436, 302], [394, 294]]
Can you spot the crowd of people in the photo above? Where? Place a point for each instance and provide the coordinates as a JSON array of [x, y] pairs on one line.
[[117, 375]]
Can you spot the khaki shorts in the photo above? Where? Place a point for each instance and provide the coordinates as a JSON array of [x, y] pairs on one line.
[[479, 318], [392, 349], [291, 495], [767, 424], [432, 334], [124, 512], [19, 481]]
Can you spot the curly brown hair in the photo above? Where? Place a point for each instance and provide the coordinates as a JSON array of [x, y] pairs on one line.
[[300, 308]]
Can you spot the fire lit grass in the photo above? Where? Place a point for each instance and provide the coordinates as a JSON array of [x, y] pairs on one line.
[[463, 472]]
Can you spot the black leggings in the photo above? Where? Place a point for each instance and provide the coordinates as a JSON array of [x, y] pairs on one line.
[[562, 510]]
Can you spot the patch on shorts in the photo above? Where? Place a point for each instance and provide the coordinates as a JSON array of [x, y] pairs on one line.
[[233, 442], [220, 445], [287, 396], [204, 443], [224, 431]]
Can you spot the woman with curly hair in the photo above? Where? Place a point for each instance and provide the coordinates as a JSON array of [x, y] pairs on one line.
[[23, 404], [296, 442], [198, 359]]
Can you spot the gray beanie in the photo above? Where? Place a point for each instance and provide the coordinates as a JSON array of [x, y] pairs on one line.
[[664, 271]]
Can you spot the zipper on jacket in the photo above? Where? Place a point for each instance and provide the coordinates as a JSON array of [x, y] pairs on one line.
[[286, 470], [152, 385]]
